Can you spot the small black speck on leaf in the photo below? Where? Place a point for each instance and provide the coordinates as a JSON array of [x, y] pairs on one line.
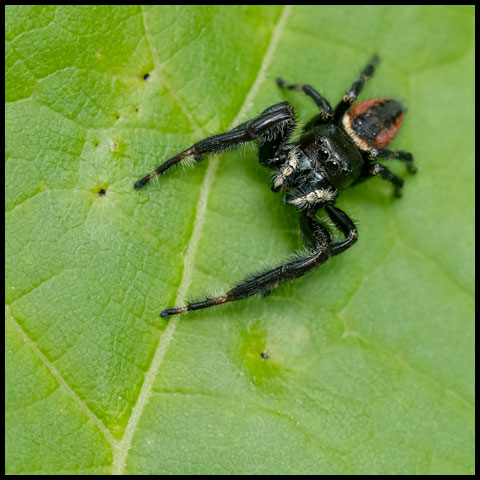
[[146, 76], [102, 192], [265, 356]]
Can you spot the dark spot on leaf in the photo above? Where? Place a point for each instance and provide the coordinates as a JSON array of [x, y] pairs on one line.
[[96, 143], [102, 192], [146, 76], [136, 109], [118, 116], [265, 355]]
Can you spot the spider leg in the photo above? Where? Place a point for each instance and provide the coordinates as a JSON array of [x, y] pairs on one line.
[[380, 170], [405, 157], [272, 126], [345, 224], [266, 281], [306, 228], [321, 102], [351, 95]]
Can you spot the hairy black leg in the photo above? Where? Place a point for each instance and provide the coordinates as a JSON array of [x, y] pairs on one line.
[[321, 102], [273, 124], [266, 281], [405, 157], [316, 236], [268, 151], [383, 172], [306, 219], [345, 224], [351, 95]]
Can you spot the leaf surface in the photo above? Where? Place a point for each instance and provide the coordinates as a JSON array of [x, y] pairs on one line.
[[370, 358]]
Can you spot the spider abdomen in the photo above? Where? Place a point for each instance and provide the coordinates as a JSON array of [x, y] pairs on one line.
[[373, 123]]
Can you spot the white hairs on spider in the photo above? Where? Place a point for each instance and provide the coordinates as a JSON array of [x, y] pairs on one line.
[[321, 195], [188, 162], [299, 254], [155, 180], [288, 167]]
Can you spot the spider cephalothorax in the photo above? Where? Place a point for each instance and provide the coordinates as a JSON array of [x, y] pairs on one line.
[[337, 148]]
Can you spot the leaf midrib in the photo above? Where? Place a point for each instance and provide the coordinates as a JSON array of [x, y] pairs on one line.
[[122, 447]]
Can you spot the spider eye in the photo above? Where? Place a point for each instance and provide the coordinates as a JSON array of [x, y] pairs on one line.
[[323, 154]]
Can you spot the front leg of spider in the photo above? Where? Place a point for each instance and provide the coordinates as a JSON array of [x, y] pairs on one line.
[[337, 148], [271, 127], [266, 281]]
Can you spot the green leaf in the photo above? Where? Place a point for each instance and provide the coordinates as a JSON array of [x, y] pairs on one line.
[[370, 358]]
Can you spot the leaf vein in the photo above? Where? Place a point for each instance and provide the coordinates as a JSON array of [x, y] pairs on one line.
[[62, 382], [121, 452]]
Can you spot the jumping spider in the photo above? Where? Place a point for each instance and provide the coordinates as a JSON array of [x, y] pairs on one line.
[[338, 148]]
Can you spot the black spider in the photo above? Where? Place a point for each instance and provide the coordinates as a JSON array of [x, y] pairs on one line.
[[337, 148]]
